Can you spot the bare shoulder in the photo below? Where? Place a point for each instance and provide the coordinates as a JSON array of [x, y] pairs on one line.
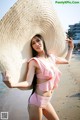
[[33, 63]]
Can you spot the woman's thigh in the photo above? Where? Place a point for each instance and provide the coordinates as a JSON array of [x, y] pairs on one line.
[[50, 113], [35, 113]]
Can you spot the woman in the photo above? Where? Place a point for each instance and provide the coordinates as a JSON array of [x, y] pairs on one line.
[[43, 76]]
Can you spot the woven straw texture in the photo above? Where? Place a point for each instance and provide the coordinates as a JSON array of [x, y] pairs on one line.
[[25, 19]]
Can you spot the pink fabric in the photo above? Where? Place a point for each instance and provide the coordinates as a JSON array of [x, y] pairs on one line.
[[51, 74], [38, 100], [57, 73], [45, 86]]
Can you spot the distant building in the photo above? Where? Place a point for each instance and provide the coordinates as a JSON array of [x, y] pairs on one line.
[[74, 30]]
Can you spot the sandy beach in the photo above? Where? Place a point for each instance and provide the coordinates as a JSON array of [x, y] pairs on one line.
[[65, 99]]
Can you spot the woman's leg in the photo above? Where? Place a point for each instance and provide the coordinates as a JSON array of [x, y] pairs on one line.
[[50, 113], [35, 113]]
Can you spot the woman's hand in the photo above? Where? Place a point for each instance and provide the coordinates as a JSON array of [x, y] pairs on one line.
[[70, 43], [70, 49], [6, 80]]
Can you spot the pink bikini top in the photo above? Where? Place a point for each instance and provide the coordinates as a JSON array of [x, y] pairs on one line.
[[49, 72]]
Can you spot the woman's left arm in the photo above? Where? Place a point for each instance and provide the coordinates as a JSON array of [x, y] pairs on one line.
[[67, 59]]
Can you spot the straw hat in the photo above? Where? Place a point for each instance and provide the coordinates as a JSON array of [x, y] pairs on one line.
[[24, 20]]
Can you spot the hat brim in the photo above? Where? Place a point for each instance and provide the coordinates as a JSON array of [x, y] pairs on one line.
[[24, 20]]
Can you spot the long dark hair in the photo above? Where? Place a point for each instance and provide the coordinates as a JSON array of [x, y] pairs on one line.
[[34, 54]]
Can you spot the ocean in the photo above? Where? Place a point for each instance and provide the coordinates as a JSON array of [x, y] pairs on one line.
[[3, 87]]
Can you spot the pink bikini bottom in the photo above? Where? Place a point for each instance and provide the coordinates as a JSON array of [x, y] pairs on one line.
[[39, 100]]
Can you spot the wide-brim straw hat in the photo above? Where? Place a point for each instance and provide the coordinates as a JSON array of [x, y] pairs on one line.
[[24, 20]]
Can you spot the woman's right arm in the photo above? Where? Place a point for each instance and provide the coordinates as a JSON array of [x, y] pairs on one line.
[[29, 77]]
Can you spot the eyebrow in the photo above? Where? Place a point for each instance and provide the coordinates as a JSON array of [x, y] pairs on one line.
[[36, 39]]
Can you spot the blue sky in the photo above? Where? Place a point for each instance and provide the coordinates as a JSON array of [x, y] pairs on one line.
[[68, 13], [5, 6]]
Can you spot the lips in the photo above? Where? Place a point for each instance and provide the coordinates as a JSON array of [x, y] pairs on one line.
[[38, 47]]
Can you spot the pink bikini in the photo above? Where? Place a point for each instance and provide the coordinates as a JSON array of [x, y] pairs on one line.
[[51, 74]]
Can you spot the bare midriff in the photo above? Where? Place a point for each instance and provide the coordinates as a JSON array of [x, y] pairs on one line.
[[43, 93]]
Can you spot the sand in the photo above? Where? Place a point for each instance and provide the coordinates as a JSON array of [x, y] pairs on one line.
[[65, 99]]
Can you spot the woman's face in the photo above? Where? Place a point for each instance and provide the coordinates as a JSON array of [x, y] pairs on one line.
[[37, 44]]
